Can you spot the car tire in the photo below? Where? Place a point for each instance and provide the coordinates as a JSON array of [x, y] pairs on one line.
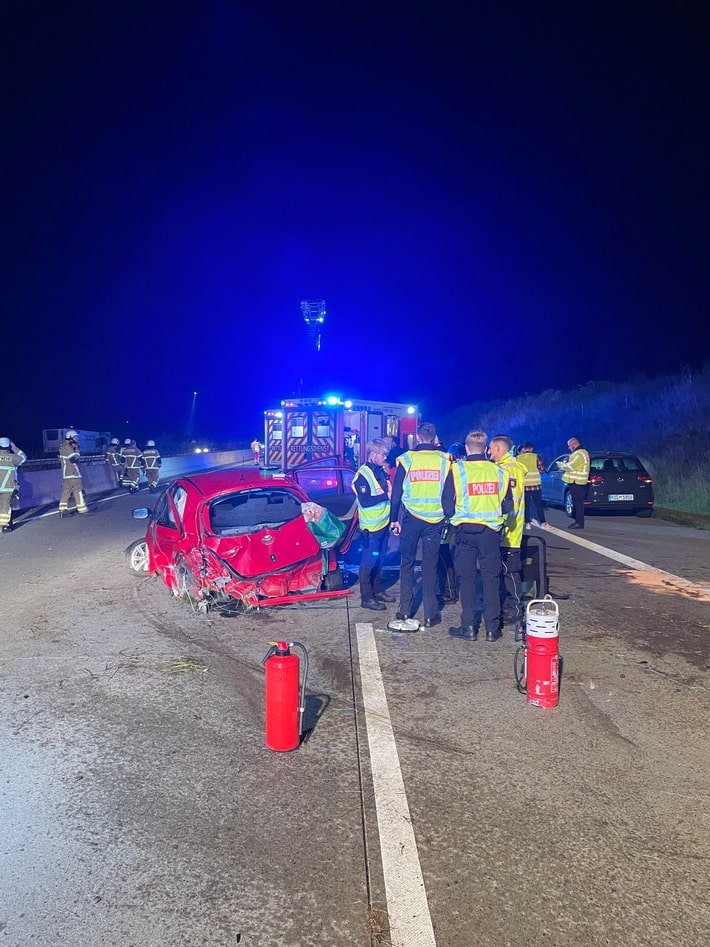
[[333, 581], [644, 514], [569, 504], [137, 555]]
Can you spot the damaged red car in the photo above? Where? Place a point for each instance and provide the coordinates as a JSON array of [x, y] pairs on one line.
[[245, 536]]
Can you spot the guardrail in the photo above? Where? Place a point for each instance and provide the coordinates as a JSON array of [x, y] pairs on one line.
[[40, 484]]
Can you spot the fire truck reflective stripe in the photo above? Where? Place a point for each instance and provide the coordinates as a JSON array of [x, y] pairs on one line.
[[407, 905]]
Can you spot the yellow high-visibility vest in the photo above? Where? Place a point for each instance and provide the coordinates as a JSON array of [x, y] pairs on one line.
[[426, 472], [479, 486]]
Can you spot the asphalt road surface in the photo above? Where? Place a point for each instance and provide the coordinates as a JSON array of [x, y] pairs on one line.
[[430, 803]]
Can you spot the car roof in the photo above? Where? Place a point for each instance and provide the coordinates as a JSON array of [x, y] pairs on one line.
[[611, 453], [215, 482]]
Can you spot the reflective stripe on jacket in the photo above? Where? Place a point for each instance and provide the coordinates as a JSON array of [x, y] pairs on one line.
[[576, 469], [131, 458], [9, 462], [151, 456], [514, 523], [372, 518], [479, 487], [68, 456], [529, 462], [425, 473]]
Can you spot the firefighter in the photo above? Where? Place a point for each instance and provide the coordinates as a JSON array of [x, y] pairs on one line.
[[534, 466], [372, 488], [576, 474], [72, 484], [417, 514], [132, 464], [152, 462], [512, 534], [113, 457], [11, 457], [477, 498]]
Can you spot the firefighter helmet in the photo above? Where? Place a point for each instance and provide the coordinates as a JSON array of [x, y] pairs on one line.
[[71, 433], [4, 441], [150, 443], [114, 440], [127, 442]]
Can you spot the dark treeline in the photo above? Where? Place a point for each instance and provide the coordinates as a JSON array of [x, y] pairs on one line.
[[665, 420]]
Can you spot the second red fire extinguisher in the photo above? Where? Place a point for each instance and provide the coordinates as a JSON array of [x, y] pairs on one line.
[[285, 699]]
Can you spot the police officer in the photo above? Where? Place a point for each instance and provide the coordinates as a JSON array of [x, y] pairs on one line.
[[416, 501], [576, 474], [152, 462], [132, 458], [533, 465], [11, 457], [476, 499], [512, 534], [72, 484], [372, 488], [113, 457]]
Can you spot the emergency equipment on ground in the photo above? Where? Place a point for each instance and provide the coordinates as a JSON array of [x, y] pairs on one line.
[[285, 699]]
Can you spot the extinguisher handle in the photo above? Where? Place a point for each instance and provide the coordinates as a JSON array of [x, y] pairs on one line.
[[272, 650]]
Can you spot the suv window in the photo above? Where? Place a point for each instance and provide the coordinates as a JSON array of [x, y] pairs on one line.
[[249, 510]]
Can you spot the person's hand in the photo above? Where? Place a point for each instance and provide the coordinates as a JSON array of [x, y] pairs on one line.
[[395, 528]]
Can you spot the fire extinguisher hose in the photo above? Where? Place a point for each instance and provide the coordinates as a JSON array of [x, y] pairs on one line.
[[304, 677], [519, 669]]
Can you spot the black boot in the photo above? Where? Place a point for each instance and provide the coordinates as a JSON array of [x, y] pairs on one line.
[[467, 632], [384, 597], [373, 605]]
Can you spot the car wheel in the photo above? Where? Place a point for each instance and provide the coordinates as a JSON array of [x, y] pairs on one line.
[[644, 513], [137, 555], [569, 505]]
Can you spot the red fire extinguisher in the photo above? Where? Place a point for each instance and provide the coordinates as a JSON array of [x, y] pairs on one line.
[[539, 676], [285, 701]]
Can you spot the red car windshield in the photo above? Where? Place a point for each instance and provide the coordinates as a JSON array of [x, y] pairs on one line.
[[251, 510]]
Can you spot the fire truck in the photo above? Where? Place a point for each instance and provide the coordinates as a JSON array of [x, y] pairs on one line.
[[307, 430]]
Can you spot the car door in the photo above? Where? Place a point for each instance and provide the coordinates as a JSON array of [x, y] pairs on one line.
[[167, 527], [553, 486], [329, 486]]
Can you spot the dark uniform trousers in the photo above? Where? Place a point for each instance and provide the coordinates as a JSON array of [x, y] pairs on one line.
[[374, 545], [478, 546], [512, 581], [414, 530], [579, 495]]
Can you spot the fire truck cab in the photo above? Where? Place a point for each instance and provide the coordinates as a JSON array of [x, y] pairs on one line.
[[308, 430]]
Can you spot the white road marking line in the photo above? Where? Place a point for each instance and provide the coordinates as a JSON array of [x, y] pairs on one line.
[[407, 905], [684, 584]]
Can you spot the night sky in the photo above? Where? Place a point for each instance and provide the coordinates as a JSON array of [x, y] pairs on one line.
[[493, 199]]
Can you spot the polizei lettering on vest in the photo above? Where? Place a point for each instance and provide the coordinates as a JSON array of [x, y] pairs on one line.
[[415, 475], [484, 489]]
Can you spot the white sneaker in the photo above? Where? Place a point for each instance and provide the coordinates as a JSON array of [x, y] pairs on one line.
[[528, 527], [544, 525], [535, 523]]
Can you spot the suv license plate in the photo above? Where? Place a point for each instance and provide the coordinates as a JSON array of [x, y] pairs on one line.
[[621, 496]]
